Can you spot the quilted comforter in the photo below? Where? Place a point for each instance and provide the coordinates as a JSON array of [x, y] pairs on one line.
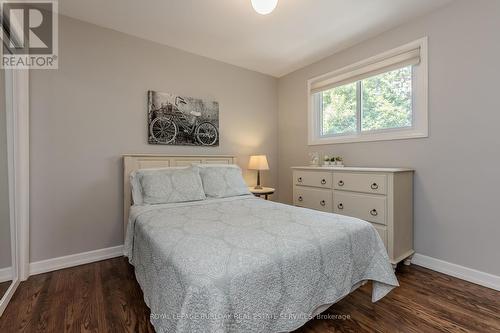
[[244, 264]]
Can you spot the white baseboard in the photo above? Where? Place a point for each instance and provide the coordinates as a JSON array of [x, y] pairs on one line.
[[5, 275], [54, 264], [461, 272]]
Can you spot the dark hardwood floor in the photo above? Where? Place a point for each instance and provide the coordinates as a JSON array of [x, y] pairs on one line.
[[104, 297], [3, 287]]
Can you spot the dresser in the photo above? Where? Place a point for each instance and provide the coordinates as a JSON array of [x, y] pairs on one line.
[[381, 196]]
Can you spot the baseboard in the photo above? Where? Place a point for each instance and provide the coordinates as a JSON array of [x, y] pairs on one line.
[[461, 272], [5, 275], [54, 264]]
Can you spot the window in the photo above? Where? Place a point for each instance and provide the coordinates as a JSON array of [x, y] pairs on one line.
[[382, 98]]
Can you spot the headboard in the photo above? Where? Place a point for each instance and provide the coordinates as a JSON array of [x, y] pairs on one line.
[[146, 161]]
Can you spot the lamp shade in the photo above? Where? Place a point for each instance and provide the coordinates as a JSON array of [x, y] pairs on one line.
[[258, 162]]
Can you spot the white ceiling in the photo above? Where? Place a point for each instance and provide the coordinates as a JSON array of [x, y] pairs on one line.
[[296, 34]]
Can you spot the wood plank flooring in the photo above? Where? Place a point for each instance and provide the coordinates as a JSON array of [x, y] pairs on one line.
[[105, 297], [3, 287]]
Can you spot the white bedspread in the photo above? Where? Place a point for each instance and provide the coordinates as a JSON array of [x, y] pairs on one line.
[[244, 264]]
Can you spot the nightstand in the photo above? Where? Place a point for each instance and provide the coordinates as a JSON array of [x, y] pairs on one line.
[[265, 191]]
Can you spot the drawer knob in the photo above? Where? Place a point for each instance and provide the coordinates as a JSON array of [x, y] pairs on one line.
[[299, 179], [300, 198], [323, 181], [374, 186], [341, 183], [322, 202], [340, 206], [374, 212]]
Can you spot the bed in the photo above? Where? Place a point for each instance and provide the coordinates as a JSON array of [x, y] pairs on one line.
[[244, 264]]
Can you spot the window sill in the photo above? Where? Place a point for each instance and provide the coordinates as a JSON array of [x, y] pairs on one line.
[[384, 136]]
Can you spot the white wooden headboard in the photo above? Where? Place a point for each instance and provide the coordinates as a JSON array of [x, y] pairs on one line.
[[146, 161]]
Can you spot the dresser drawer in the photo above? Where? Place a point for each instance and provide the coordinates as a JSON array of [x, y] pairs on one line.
[[313, 198], [382, 231], [313, 178], [363, 206], [360, 182]]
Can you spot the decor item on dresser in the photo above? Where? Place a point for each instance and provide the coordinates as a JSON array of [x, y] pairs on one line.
[[381, 196], [177, 120], [326, 160], [313, 159], [258, 162], [335, 161]]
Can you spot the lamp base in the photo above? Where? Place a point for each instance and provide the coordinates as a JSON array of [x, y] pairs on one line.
[[258, 187]]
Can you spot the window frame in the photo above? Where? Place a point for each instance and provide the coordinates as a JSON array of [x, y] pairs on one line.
[[420, 124]]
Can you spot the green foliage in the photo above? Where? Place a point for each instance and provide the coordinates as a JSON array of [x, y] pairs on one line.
[[339, 109], [386, 103], [387, 100]]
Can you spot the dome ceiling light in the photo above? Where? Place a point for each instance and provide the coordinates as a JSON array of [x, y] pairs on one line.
[[264, 7]]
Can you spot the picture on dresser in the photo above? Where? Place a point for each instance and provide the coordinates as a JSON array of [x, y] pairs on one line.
[[182, 121]]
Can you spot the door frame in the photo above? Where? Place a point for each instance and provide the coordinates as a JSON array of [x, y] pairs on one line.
[[17, 121]]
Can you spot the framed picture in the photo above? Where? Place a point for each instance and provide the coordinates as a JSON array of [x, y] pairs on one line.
[[182, 121]]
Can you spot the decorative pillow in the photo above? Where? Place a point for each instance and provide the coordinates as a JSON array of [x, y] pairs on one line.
[[171, 185], [222, 180]]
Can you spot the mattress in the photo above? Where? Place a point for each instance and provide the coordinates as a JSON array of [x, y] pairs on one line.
[[244, 264]]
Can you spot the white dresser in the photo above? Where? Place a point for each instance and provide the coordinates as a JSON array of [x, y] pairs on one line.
[[382, 196]]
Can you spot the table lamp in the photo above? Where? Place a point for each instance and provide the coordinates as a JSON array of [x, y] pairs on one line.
[[258, 162]]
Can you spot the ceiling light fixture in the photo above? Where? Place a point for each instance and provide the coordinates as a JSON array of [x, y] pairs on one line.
[[264, 7]]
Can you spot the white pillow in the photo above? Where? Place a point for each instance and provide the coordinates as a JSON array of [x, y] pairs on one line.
[[166, 185], [222, 180]]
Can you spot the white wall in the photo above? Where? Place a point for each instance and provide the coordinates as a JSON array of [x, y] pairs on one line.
[[92, 110], [457, 178]]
